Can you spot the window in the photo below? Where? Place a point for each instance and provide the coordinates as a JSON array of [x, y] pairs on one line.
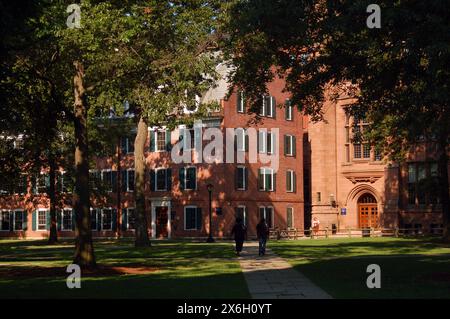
[[266, 142], [361, 150], [366, 150], [21, 186], [161, 179], [241, 178], [268, 106], [127, 144], [423, 183], [42, 220], [290, 181], [241, 212], [241, 139], [127, 181], [240, 102], [357, 151], [266, 178], [288, 110], [66, 219], [290, 217], [160, 141], [95, 178], [106, 219], [188, 178], [131, 218], [19, 219], [318, 197], [289, 145], [262, 141], [270, 142], [267, 214], [5, 220], [187, 135], [94, 219], [42, 183], [109, 179], [192, 218]]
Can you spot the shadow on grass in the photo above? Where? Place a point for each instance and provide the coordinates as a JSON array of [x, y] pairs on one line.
[[183, 270], [401, 277]]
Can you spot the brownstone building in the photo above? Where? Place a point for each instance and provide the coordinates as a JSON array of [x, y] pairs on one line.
[[177, 203], [353, 187]]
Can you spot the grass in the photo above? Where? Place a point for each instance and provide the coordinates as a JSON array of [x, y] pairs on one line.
[[410, 268], [183, 270]]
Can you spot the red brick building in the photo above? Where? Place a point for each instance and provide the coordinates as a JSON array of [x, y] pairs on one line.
[[177, 202]]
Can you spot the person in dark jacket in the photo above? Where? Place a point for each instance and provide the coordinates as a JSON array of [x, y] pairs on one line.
[[240, 232], [262, 232]]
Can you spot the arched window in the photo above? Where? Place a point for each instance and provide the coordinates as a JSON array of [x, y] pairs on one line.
[[367, 199]]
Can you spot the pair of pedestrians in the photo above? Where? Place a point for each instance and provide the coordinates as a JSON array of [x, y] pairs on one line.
[[240, 234]]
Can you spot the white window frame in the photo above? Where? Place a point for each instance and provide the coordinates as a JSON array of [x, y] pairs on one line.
[[189, 143], [96, 171], [103, 180], [292, 186], [262, 138], [165, 179], [265, 214], [38, 184], [1, 219], [244, 181], [293, 222], [185, 211], [264, 170], [245, 213], [62, 219], [290, 110], [241, 107], [102, 209], [37, 218], [95, 216], [269, 108], [127, 179], [185, 178], [128, 142], [242, 134], [128, 217], [272, 139], [291, 144], [155, 132], [14, 218]]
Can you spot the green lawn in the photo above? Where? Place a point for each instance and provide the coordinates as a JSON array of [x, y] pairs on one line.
[[182, 270], [410, 268]]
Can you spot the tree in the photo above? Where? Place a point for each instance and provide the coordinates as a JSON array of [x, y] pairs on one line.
[[30, 98], [173, 61], [398, 74]]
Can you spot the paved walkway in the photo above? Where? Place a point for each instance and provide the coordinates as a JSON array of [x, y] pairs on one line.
[[271, 277]]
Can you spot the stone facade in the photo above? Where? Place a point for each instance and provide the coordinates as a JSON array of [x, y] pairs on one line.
[[343, 174]]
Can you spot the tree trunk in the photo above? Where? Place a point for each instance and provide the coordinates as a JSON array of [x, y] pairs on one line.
[[141, 230], [444, 187], [53, 238], [84, 249]]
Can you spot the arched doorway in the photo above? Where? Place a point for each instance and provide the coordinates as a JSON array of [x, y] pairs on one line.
[[368, 211]]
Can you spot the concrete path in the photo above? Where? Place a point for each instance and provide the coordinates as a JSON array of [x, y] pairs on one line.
[[271, 277]]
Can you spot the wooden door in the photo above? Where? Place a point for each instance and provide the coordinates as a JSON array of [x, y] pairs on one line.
[[162, 217], [368, 215]]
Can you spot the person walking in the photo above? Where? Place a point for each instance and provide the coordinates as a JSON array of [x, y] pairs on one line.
[[262, 232], [240, 233]]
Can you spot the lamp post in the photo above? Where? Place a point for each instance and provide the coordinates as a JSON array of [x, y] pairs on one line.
[[210, 189]]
